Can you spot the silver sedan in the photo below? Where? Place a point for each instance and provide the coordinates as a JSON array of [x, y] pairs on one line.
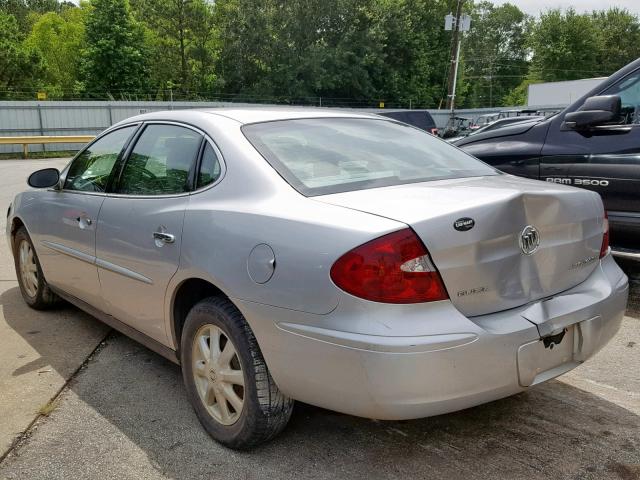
[[343, 260]]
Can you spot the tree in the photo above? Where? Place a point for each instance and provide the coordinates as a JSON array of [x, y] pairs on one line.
[[322, 49], [565, 47], [58, 37], [114, 61], [180, 33], [345, 51], [245, 37], [22, 9], [618, 33], [203, 49], [416, 52], [495, 53], [20, 66]]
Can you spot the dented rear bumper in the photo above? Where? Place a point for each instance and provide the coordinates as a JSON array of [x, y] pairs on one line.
[[409, 361]]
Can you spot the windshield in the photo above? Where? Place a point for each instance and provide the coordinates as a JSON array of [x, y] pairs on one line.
[[330, 155]]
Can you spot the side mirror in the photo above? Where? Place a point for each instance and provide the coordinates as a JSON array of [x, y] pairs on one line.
[[595, 111], [45, 178]]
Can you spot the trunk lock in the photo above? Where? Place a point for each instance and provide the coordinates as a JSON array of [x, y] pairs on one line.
[[552, 340]]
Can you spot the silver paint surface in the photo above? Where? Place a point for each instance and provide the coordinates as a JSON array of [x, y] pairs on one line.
[[324, 346]]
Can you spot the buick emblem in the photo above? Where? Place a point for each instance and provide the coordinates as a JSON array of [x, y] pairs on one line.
[[529, 240]]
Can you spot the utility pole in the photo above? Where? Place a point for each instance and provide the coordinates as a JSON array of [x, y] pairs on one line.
[[458, 24]]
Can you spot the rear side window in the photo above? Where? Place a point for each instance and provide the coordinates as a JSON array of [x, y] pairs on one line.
[[209, 167], [90, 170], [328, 155], [161, 162]]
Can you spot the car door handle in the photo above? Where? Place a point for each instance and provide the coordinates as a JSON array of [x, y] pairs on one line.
[[164, 237], [84, 219]]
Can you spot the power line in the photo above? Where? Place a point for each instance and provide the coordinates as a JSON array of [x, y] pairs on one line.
[[524, 67]]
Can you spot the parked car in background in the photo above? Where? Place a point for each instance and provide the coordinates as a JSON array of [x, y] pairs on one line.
[[484, 120], [502, 122], [340, 259], [513, 113], [456, 127], [518, 112], [548, 111], [421, 119], [594, 144]]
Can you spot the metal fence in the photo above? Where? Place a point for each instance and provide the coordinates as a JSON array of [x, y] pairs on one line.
[[90, 118]]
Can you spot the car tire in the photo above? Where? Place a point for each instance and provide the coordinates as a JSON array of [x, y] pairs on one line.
[[33, 286], [212, 378]]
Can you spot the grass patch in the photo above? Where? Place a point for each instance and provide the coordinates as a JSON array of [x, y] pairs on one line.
[[48, 408]]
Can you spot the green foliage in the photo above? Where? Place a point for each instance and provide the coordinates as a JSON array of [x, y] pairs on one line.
[[565, 47], [22, 10], [618, 34], [58, 37], [115, 58], [495, 53], [180, 34], [203, 49], [20, 66], [340, 52], [347, 50], [518, 96], [416, 51], [569, 46]]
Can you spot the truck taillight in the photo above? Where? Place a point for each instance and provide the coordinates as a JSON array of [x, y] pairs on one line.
[[604, 249], [394, 268]]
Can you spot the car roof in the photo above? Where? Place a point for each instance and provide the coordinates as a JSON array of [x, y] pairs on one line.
[[256, 114]]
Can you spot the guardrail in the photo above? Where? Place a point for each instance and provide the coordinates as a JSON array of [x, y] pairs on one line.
[[25, 141]]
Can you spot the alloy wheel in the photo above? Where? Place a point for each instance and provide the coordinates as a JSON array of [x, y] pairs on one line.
[[218, 374], [28, 268]]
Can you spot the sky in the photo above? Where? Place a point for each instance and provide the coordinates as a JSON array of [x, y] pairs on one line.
[[534, 7]]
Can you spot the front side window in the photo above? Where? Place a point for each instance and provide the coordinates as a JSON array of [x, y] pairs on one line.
[[628, 89], [90, 170], [161, 161], [328, 155]]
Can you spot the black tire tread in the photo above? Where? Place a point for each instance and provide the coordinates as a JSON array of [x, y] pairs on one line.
[[274, 408]]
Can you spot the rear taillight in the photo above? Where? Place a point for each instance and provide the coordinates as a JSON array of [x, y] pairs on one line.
[[434, 131], [394, 268], [604, 249]]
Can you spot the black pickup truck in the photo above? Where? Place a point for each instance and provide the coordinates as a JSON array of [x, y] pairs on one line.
[[594, 143]]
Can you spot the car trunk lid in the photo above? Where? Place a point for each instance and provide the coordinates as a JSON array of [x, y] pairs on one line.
[[484, 267]]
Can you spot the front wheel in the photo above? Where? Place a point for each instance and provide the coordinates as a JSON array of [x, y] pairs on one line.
[[227, 379], [33, 286]]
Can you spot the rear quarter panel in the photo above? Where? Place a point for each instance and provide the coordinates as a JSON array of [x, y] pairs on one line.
[[253, 205]]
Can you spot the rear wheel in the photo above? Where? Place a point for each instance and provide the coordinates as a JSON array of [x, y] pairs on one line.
[[33, 286], [227, 379]]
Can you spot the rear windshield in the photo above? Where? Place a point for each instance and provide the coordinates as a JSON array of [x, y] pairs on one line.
[[320, 156]]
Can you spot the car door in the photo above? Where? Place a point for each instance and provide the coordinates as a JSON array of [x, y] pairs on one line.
[[139, 230], [65, 230], [606, 159]]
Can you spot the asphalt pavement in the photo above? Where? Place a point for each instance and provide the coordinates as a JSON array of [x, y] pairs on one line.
[[124, 414]]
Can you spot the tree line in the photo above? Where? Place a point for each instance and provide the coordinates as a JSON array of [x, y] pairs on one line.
[[326, 52]]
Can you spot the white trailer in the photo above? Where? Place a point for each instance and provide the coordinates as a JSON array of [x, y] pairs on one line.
[[560, 93]]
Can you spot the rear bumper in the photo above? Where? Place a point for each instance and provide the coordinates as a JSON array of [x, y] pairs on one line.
[[410, 361]]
